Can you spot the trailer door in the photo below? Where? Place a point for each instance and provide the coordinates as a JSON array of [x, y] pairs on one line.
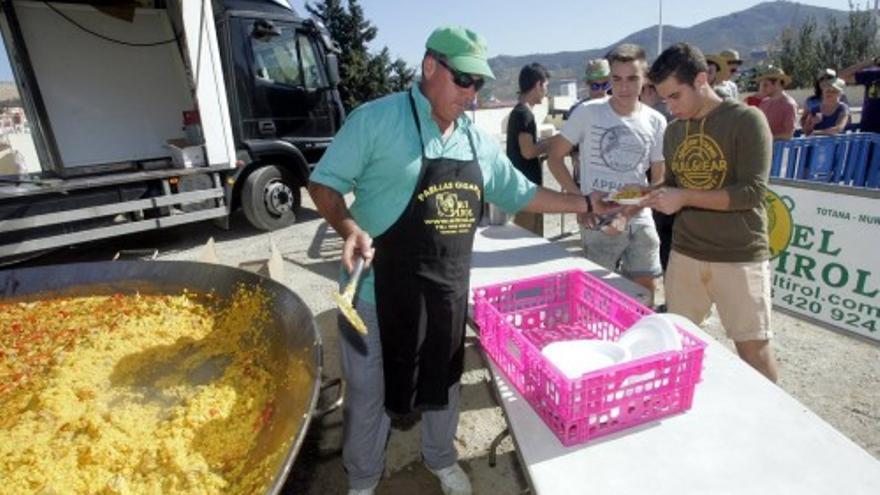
[[203, 56]]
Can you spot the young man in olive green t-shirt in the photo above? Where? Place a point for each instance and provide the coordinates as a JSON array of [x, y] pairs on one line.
[[718, 156]]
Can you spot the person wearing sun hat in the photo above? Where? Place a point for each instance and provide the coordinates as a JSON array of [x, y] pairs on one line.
[[778, 106], [776, 73], [734, 62], [420, 173], [718, 73], [833, 114], [812, 103]]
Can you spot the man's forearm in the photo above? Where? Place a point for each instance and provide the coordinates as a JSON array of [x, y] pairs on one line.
[[331, 205], [547, 201]]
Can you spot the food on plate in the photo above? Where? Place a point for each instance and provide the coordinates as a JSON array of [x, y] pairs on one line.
[[135, 394], [626, 196]]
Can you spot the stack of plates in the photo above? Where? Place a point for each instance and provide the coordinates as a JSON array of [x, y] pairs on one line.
[[652, 334], [574, 358]]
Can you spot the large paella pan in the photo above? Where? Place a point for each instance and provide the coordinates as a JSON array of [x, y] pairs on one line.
[[164, 377]]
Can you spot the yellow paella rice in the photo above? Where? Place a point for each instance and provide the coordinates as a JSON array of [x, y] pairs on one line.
[[626, 194], [136, 394]]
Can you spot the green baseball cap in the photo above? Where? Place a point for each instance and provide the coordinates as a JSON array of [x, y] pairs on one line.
[[597, 69], [462, 48]]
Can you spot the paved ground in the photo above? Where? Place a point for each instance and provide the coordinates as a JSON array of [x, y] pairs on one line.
[[832, 374]]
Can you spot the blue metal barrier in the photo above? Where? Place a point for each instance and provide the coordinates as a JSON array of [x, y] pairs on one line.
[[847, 159]]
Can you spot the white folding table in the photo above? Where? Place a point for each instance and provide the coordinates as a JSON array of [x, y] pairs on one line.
[[743, 435]]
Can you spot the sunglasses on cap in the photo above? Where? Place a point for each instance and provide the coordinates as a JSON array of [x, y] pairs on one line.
[[462, 79], [600, 86]]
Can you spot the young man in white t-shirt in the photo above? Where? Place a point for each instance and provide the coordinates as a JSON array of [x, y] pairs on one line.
[[619, 139]]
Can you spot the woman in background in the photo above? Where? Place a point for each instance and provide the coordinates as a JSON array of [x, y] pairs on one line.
[[832, 113], [812, 103]]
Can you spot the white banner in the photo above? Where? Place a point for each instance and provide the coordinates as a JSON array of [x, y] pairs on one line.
[[826, 249]]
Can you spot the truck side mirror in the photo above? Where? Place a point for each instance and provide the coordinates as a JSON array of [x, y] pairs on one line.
[[333, 68]]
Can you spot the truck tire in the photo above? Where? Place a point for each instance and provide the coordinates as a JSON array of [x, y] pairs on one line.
[[270, 199]]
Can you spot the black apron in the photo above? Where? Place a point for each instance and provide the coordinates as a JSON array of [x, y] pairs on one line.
[[422, 270]]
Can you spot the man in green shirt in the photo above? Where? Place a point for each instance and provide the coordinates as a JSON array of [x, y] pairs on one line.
[[718, 156], [420, 173]]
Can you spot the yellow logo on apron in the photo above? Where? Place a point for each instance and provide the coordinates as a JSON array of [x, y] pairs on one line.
[[779, 222], [453, 213]]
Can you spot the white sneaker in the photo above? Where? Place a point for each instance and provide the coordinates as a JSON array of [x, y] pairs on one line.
[[363, 491], [453, 480]]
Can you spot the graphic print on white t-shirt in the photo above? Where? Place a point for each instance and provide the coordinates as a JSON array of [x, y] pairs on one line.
[[615, 150], [619, 148]]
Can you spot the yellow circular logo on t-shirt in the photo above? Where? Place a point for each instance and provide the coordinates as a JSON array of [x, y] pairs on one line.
[[699, 163], [779, 222]]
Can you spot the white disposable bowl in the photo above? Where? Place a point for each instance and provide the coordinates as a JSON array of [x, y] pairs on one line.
[[574, 358], [651, 335]]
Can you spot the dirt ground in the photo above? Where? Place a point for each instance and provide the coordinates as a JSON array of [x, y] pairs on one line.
[[834, 375]]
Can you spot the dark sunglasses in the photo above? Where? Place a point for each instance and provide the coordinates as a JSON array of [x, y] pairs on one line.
[[597, 86], [462, 79]]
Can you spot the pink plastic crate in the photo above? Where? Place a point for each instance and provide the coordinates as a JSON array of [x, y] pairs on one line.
[[516, 319]]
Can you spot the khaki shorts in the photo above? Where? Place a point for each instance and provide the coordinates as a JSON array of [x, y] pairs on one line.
[[740, 292]]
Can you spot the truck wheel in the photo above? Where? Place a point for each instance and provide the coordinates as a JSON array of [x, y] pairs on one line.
[[270, 199]]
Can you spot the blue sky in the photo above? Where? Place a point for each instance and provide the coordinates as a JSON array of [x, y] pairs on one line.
[[519, 27]]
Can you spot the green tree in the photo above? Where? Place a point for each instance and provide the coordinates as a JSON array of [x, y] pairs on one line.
[[829, 47], [860, 39], [364, 76], [806, 51], [799, 57], [402, 75]]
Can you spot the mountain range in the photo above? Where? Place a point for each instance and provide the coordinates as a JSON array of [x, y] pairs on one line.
[[756, 29]]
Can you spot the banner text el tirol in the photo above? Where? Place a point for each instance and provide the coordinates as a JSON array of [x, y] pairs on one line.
[[826, 264]]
